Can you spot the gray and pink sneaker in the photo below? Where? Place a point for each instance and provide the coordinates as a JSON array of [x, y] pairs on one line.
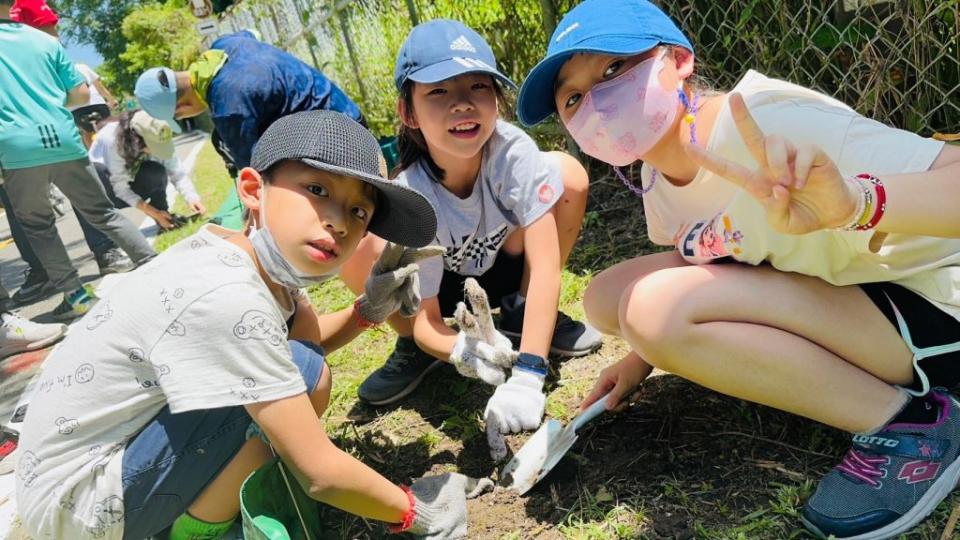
[[889, 481]]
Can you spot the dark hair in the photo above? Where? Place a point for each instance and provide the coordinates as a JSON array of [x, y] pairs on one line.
[[410, 141], [130, 145]]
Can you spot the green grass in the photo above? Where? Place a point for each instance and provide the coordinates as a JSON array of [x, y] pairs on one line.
[[212, 182], [598, 516]]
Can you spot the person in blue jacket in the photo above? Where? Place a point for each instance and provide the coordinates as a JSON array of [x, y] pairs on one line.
[[246, 85]]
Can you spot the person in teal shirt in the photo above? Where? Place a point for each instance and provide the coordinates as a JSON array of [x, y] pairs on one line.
[[40, 144]]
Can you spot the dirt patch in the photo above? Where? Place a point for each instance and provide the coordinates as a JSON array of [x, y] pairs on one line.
[[680, 462]]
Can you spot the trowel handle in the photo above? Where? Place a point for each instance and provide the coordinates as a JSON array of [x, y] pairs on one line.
[[596, 409]]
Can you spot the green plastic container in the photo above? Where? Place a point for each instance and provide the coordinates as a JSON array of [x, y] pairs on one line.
[[270, 513], [391, 152]]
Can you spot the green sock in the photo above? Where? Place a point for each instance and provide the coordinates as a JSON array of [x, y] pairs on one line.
[[187, 527]]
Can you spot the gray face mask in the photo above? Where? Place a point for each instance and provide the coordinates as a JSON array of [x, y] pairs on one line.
[[271, 258]]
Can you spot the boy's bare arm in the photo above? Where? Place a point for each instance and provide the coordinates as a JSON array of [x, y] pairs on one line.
[[331, 330], [324, 471], [431, 333]]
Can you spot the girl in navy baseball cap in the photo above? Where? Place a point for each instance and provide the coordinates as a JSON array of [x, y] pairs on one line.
[[812, 323], [509, 216]]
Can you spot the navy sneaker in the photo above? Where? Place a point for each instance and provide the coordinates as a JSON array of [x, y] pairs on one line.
[[888, 482], [571, 338], [403, 371]]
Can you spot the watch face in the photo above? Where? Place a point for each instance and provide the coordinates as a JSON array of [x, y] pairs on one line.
[[532, 361]]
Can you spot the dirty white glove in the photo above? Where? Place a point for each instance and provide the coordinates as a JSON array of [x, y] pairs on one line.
[[517, 405], [481, 352], [440, 505], [394, 283]]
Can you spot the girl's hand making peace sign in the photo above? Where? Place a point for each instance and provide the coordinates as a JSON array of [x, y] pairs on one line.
[[800, 187]]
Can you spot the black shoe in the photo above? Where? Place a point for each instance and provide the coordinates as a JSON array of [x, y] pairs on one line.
[[403, 371], [114, 261], [571, 338], [36, 287]]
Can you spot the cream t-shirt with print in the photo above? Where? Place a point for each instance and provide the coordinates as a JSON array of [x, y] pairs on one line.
[[712, 218], [196, 328]]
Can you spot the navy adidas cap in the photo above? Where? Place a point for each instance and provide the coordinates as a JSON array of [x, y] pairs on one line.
[[442, 49], [617, 27]]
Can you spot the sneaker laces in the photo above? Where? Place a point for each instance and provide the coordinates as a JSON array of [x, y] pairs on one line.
[[862, 466], [399, 359]]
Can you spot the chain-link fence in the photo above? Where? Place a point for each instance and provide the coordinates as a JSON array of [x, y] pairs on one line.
[[898, 62], [895, 61]]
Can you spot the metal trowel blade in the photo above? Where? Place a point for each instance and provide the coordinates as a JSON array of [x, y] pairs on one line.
[[523, 471]]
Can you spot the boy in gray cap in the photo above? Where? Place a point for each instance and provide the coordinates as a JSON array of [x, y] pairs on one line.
[[214, 334]]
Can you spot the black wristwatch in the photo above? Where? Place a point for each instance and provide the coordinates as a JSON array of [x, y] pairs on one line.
[[532, 363]]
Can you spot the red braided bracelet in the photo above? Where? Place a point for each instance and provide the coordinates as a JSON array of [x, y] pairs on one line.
[[361, 321], [880, 206], [408, 517]]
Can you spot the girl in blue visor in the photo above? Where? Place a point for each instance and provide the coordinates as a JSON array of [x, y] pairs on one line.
[[844, 306]]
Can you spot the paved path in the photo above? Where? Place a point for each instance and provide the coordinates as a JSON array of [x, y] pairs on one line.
[[16, 371]]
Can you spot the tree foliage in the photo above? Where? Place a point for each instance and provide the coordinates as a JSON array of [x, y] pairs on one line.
[[131, 35], [98, 22], [159, 35]]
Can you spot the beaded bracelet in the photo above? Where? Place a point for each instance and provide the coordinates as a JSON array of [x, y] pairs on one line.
[[362, 322], [867, 204], [860, 209], [867, 214], [880, 208], [408, 517]]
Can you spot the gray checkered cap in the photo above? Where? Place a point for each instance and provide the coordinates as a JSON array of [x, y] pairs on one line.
[[333, 142]]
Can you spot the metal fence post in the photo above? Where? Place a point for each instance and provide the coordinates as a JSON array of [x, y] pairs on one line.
[[304, 19], [345, 28], [549, 18], [414, 16]]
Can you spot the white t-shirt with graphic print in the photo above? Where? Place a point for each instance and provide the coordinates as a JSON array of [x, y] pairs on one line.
[[196, 328], [711, 218], [517, 185]]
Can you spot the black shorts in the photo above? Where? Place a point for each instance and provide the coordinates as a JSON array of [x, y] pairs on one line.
[[929, 326], [83, 117], [502, 279]]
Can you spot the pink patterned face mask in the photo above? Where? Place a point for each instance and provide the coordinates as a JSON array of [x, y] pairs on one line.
[[620, 120]]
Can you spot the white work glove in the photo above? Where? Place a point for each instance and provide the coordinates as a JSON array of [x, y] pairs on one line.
[[517, 405], [394, 283], [440, 505], [481, 352]]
